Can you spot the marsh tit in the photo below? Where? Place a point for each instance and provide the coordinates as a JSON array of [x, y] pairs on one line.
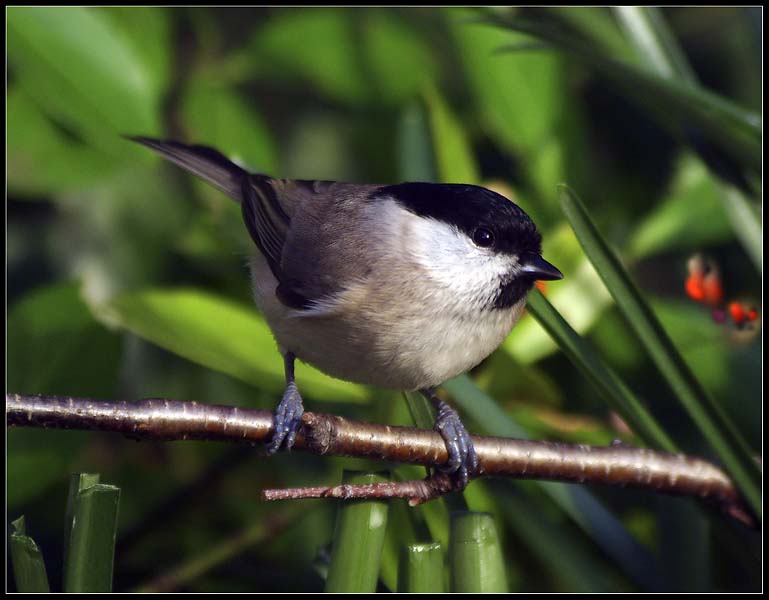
[[398, 286]]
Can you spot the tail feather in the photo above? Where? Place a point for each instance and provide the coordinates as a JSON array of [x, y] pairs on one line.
[[205, 162]]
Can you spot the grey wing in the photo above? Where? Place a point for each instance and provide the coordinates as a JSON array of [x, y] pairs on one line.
[[329, 247], [307, 252], [268, 223]]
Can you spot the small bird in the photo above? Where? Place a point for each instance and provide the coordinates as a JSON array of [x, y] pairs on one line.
[[398, 286]]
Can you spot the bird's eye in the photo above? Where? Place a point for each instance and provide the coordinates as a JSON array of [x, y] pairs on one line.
[[483, 237]]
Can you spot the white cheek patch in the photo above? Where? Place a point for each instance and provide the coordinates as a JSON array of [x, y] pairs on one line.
[[451, 259]]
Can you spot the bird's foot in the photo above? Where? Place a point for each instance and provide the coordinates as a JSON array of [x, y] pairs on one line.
[[286, 420], [463, 461]]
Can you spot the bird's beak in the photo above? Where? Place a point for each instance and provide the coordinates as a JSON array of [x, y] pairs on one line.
[[538, 268]]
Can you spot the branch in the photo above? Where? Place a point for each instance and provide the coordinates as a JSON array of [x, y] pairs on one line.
[[170, 420]]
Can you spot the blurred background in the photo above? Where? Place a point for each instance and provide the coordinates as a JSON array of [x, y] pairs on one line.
[[127, 279]]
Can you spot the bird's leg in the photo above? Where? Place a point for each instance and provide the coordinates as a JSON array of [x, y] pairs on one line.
[[463, 462], [288, 415]]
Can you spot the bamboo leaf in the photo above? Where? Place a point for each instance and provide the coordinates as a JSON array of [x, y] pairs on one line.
[[605, 380], [582, 507], [577, 569], [27, 561], [660, 51], [475, 555], [421, 570], [454, 159], [715, 425], [671, 101], [80, 67], [90, 549], [220, 334], [358, 540]]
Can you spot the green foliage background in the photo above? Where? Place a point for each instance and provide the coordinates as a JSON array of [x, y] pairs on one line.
[[126, 277]]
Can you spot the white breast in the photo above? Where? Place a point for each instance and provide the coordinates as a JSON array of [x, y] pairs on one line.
[[420, 318]]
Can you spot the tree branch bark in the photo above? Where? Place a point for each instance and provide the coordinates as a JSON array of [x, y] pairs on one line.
[[171, 420]]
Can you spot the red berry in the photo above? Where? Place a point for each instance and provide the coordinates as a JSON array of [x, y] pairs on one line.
[[694, 288], [737, 312]]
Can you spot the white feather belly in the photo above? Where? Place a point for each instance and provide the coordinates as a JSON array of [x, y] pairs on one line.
[[374, 343]]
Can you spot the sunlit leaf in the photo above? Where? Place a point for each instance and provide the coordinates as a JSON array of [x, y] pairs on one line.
[[453, 155], [80, 68], [221, 335], [690, 216], [41, 159]]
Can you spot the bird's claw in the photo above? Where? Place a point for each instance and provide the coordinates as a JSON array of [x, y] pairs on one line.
[[463, 461], [286, 420]]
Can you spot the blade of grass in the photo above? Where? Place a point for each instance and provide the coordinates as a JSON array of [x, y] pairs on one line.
[[453, 155], [582, 507], [736, 129], [475, 554], [746, 223], [358, 540], [577, 569], [404, 528], [77, 483], [27, 561], [660, 53], [659, 50], [91, 548], [606, 381], [714, 424], [421, 570], [218, 333]]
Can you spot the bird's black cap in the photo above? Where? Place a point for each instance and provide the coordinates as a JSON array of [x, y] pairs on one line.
[[469, 207]]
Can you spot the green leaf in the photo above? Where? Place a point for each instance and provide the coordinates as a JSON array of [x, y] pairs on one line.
[[416, 160], [216, 116], [358, 540], [566, 556], [604, 379], [714, 424], [745, 219], [398, 62], [351, 56], [660, 51], [582, 507], [148, 29], [219, 334], [672, 102], [421, 570], [80, 68], [453, 155], [90, 549], [597, 25], [41, 160], [653, 42], [690, 215], [475, 555], [327, 56], [519, 94], [27, 561], [581, 298], [56, 347], [401, 532]]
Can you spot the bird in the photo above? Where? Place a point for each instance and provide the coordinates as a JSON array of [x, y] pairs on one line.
[[399, 286]]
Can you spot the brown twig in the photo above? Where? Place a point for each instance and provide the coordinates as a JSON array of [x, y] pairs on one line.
[[162, 419]]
